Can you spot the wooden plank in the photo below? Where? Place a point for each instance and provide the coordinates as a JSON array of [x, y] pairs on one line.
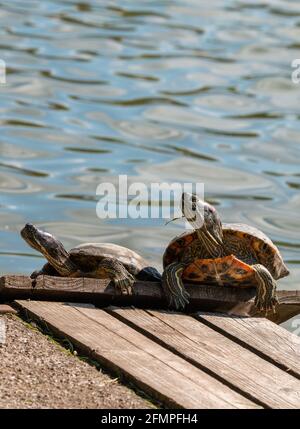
[[288, 307], [5, 308], [159, 372], [103, 292], [226, 360], [265, 338], [145, 294]]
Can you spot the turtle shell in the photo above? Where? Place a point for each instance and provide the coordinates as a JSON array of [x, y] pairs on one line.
[[244, 246], [88, 255]]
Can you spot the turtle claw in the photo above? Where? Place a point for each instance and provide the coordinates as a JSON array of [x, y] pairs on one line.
[[266, 305], [178, 302], [124, 285]]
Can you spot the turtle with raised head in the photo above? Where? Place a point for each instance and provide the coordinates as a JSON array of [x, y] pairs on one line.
[[95, 260], [228, 254]]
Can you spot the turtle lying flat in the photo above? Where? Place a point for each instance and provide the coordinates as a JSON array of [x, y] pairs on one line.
[[96, 260], [226, 255]]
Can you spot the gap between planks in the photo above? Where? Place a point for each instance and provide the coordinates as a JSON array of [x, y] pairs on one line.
[[165, 376], [268, 340], [226, 360]]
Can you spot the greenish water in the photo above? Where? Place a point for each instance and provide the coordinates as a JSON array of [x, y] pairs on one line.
[[183, 90]]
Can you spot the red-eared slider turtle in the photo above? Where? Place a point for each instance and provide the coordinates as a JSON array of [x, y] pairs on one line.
[[96, 260], [220, 254]]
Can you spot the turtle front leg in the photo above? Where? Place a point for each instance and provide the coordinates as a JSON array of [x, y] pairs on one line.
[[113, 269], [266, 298], [46, 270], [173, 286]]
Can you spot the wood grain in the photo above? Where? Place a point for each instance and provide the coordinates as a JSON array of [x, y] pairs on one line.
[[5, 308], [274, 343], [159, 372], [226, 360], [145, 295], [103, 290]]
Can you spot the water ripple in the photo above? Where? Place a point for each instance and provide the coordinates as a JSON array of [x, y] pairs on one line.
[[159, 91]]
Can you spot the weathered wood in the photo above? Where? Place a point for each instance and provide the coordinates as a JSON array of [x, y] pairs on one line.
[[270, 341], [103, 292], [145, 294], [159, 372], [289, 306], [228, 361], [5, 308]]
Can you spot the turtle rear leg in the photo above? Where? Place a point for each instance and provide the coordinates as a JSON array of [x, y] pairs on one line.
[[173, 287], [113, 269], [149, 274], [266, 298]]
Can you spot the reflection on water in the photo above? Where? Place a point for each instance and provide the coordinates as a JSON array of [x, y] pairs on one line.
[[175, 90]]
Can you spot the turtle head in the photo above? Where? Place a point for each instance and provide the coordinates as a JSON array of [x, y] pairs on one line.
[[50, 247], [202, 216]]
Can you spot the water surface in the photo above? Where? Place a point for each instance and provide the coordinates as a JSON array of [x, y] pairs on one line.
[[158, 90]]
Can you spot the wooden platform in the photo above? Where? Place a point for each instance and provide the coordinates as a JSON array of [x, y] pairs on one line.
[[231, 300], [185, 361], [5, 308]]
